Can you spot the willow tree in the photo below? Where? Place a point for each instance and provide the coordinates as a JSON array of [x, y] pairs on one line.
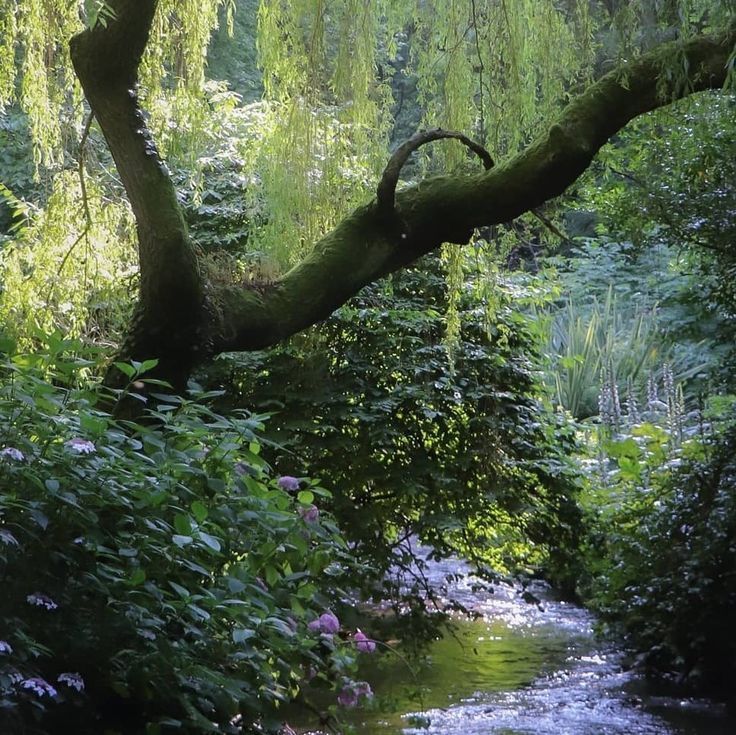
[[524, 79]]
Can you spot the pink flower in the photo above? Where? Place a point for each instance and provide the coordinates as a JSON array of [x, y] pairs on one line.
[[363, 643], [347, 697], [287, 482], [327, 622], [310, 514], [80, 446], [363, 689], [352, 691]]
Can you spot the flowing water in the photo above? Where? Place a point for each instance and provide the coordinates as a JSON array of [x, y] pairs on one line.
[[523, 669]]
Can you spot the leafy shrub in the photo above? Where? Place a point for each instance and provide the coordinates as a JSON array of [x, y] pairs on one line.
[[155, 576], [462, 455], [663, 557]]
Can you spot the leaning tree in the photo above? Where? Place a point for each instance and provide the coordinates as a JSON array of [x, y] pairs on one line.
[[184, 318]]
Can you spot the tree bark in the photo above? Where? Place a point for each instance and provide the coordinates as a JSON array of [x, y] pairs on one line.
[[181, 320]]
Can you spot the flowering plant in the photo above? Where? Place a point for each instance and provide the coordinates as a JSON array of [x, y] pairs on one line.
[[155, 573]]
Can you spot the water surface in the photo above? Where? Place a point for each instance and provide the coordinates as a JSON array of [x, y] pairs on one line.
[[523, 669]]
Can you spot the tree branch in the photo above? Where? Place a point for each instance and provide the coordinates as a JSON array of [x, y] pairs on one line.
[[363, 248], [386, 192], [106, 59], [171, 308]]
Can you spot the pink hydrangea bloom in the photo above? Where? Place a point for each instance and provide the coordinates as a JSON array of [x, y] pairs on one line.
[[327, 622], [347, 697], [351, 693], [40, 600], [363, 643], [310, 514], [39, 686], [71, 679]]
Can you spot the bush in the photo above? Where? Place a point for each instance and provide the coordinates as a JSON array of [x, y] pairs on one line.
[[664, 562], [462, 454], [154, 577]]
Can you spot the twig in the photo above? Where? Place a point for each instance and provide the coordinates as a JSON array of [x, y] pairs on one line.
[[481, 69], [83, 187]]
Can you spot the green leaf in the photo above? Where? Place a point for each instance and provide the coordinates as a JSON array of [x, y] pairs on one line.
[[138, 577], [183, 592], [147, 365], [182, 524], [242, 634], [305, 497], [182, 540], [199, 511], [211, 541], [125, 368]]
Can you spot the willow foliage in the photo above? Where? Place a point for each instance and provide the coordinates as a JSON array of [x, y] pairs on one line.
[[498, 70]]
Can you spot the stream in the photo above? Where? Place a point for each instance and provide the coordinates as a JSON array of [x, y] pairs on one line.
[[522, 669]]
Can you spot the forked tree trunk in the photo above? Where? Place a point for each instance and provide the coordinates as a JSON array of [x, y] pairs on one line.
[[182, 320]]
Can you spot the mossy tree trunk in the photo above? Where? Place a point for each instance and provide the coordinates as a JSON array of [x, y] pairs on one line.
[[182, 320]]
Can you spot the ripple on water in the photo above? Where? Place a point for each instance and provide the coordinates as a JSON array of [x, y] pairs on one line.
[[523, 669]]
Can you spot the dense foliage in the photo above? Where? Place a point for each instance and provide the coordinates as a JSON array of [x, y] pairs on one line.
[[158, 575], [666, 557], [183, 572], [456, 449], [659, 498]]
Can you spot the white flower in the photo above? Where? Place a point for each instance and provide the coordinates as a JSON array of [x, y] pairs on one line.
[[80, 446], [12, 453], [71, 679], [5, 647], [39, 686], [41, 600]]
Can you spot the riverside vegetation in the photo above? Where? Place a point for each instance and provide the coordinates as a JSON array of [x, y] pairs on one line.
[[198, 524]]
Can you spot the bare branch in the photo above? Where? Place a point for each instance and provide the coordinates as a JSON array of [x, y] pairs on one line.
[[386, 193]]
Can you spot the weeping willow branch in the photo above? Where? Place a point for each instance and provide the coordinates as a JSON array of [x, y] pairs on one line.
[[442, 209], [183, 320]]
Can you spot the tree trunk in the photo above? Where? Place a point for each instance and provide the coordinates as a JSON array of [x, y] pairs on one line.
[[182, 321]]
